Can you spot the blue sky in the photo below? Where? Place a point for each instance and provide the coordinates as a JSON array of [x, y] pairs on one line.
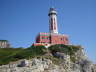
[[22, 20]]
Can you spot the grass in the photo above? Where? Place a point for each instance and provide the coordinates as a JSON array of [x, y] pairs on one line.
[[66, 49], [13, 54]]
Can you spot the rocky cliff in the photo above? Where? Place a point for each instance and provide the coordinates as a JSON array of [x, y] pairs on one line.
[[53, 61]]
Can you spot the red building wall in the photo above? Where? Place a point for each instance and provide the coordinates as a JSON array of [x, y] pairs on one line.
[[52, 39], [59, 39]]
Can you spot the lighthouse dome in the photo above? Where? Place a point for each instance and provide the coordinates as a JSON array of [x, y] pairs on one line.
[[52, 11]]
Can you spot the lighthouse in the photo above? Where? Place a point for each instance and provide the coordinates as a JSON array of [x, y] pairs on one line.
[[53, 28], [53, 37]]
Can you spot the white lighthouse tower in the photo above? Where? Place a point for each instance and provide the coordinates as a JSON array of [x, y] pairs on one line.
[[53, 21]]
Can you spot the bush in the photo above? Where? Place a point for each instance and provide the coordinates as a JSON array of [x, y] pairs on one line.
[[66, 49], [12, 54]]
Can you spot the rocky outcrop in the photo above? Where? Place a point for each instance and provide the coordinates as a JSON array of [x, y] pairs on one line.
[[66, 63]]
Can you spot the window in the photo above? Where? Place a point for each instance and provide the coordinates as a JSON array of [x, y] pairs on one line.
[[43, 37], [62, 39]]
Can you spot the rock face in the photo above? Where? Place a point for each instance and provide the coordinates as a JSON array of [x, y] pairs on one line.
[[81, 64]]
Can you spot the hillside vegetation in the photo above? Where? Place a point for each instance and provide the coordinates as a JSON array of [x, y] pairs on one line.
[[13, 54]]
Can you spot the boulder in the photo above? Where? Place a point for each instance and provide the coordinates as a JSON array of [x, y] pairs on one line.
[[23, 63]]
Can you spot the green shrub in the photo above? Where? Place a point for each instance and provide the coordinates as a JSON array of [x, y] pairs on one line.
[[12, 54], [66, 49]]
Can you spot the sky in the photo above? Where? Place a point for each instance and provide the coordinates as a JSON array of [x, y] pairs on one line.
[[22, 20]]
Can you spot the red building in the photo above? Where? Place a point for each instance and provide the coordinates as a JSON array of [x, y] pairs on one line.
[[53, 37]]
